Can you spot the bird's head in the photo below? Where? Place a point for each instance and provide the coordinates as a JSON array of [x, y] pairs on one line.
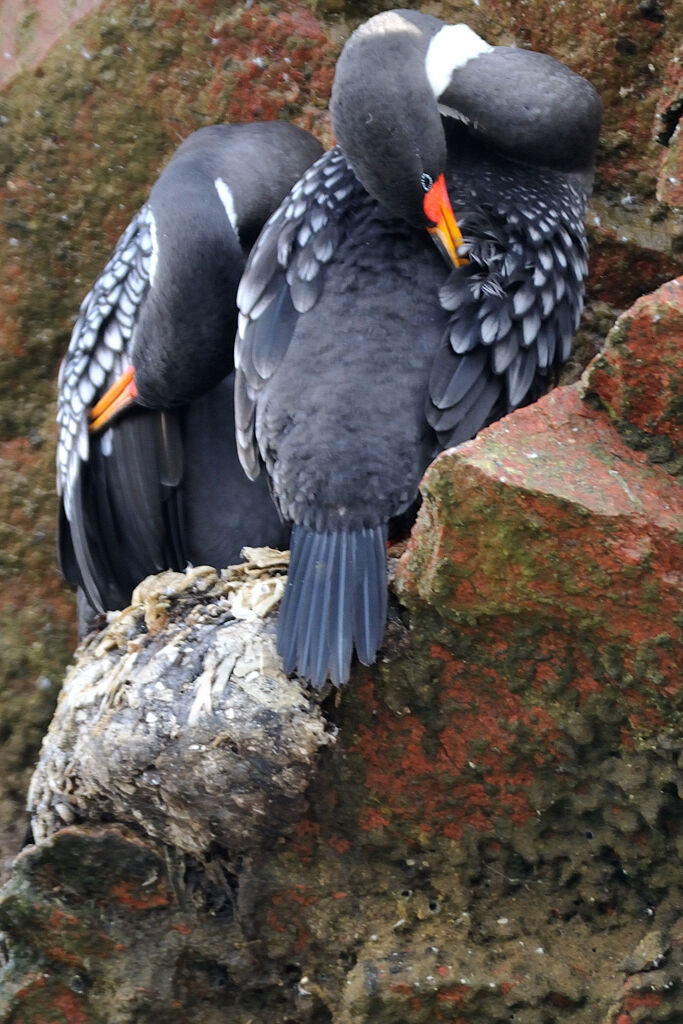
[[402, 72], [386, 116]]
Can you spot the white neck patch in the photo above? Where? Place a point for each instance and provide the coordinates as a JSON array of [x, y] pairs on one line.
[[451, 48], [225, 196], [154, 255]]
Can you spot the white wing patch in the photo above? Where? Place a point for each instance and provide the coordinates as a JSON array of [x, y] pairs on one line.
[[451, 48], [226, 197], [154, 255]]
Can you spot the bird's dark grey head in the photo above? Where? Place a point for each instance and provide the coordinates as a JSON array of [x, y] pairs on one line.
[[402, 70], [384, 112]]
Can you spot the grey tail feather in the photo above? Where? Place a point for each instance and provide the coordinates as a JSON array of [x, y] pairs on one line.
[[335, 601]]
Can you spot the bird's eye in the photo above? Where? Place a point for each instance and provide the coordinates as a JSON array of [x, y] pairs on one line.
[[426, 181]]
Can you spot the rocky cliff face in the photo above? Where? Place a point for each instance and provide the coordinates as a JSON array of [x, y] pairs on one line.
[[486, 826]]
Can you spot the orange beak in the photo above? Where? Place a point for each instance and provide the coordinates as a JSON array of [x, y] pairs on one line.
[[445, 233], [120, 395]]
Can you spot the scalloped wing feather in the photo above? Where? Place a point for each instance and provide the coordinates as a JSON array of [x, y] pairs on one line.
[[282, 280], [514, 309], [101, 346]]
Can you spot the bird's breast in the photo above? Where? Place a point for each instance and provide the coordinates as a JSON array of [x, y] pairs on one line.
[[341, 422]]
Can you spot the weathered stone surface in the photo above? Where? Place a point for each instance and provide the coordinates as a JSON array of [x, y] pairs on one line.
[[552, 553], [102, 930], [178, 718], [478, 845], [549, 514], [639, 376], [34, 626]]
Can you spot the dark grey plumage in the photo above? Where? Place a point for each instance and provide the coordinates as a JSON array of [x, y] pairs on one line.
[[360, 353], [161, 486]]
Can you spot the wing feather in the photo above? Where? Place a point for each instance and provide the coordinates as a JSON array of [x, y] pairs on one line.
[[514, 306], [116, 487], [101, 345], [282, 280]]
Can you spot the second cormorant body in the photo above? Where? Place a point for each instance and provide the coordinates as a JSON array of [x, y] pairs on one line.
[[147, 469]]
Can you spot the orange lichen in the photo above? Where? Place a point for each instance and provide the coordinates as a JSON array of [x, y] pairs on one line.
[[131, 896]]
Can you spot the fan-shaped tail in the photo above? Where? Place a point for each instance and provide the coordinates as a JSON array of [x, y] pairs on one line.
[[335, 602]]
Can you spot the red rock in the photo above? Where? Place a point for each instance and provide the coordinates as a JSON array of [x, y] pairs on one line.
[[639, 376], [549, 515]]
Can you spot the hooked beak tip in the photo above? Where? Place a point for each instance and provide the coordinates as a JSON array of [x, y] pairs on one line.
[[444, 230]]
